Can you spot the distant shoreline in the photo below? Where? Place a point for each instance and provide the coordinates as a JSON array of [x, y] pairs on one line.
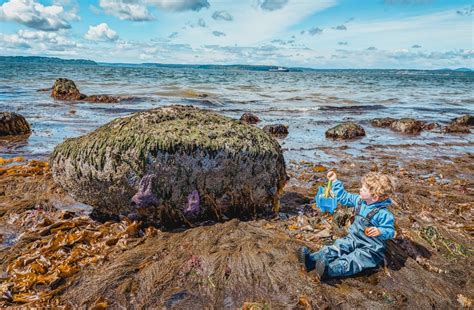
[[263, 68]]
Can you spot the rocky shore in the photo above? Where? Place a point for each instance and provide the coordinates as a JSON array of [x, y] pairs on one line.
[[183, 208], [54, 254]]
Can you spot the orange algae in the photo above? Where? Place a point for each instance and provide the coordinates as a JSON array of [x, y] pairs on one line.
[[63, 249]]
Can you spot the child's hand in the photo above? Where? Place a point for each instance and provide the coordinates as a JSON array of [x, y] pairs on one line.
[[372, 232], [332, 176]]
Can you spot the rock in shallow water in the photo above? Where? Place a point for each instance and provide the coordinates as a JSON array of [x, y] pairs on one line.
[[465, 120], [173, 165], [407, 125], [277, 130], [64, 89], [382, 122], [348, 130], [13, 124], [249, 118]]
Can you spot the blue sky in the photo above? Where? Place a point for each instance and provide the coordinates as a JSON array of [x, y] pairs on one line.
[[419, 34]]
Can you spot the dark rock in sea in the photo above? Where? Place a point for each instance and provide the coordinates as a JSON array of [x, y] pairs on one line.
[[249, 118], [348, 130], [277, 130], [407, 126], [465, 120], [431, 126], [64, 89], [102, 99], [13, 124], [382, 122], [173, 165], [456, 128]]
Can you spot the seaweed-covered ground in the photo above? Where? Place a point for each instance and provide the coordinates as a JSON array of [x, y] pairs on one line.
[[52, 253]]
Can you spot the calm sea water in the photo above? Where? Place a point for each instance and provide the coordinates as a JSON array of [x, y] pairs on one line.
[[309, 102]]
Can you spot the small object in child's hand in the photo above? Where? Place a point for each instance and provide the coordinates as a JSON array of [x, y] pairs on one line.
[[328, 190], [367, 231]]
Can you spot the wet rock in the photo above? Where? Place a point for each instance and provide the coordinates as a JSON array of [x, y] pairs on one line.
[[65, 89], [277, 130], [347, 130], [177, 164], [382, 122], [13, 124], [456, 128], [407, 126], [465, 120], [249, 118], [431, 126], [102, 99]]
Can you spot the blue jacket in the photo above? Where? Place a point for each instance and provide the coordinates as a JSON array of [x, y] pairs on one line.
[[383, 220]]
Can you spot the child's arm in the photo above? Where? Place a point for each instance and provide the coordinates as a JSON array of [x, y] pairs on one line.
[[343, 197], [386, 224]]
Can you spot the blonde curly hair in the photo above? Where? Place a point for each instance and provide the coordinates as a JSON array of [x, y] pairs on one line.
[[379, 184]]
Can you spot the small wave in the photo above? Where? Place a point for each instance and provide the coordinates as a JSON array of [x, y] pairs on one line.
[[205, 102], [352, 108], [185, 93], [389, 100], [292, 110]]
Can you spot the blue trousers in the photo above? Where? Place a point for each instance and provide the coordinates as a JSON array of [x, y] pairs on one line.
[[344, 258]]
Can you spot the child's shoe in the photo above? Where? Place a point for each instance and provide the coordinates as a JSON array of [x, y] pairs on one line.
[[304, 258], [319, 269]]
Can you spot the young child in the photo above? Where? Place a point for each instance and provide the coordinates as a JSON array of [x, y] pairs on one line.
[[364, 246]]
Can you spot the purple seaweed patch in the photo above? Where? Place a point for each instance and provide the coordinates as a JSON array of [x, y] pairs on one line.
[[145, 197], [192, 207]]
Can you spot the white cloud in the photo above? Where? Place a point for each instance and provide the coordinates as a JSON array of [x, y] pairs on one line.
[[314, 31], [180, 5], [35, 15], [126, 9], [101, 32], [218, 34], [222, 15], [13, 41], [244, 30], [340, 27], [272, 5]]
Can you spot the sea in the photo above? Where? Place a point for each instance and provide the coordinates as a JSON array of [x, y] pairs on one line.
[[309, 102]]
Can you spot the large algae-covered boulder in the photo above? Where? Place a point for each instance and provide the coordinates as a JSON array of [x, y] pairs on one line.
[[13, 124], [173, 165]]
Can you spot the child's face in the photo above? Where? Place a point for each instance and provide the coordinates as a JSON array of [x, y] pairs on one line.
[[366, 195]]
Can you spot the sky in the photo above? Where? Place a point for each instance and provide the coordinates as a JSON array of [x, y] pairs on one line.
[[383, 34]]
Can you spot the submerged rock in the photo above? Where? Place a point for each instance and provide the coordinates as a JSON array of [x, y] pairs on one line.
[[65, 89], [348, 130], [13, 124], [407, 125], [431, 126], [456, 128], [277, 130], [173, 165], [102, 99], [465, 120], [249, 118], [382, 122]]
